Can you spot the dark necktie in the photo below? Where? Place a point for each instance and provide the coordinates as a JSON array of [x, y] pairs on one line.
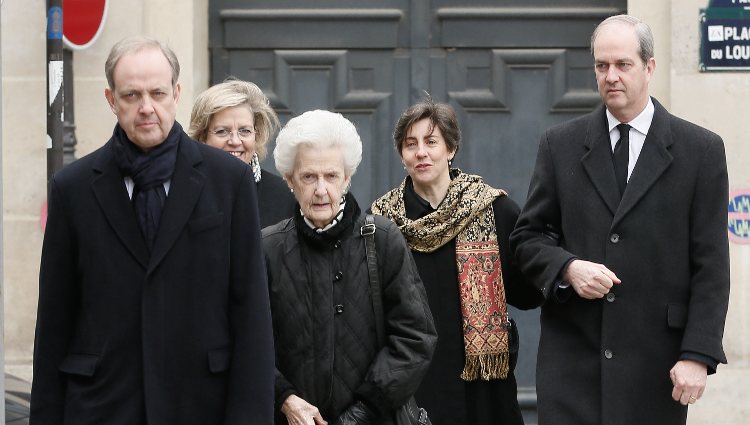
[[620, 157]]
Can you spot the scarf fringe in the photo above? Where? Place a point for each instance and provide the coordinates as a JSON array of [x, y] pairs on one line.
[[486, 367]]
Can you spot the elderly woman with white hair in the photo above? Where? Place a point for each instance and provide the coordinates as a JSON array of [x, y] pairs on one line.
[[332, 364]]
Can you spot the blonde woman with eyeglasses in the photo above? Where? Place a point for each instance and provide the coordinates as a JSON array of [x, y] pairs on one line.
[[235, 116]]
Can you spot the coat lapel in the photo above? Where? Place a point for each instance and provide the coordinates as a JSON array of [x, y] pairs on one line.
[[597, 161], [652, 162], [110, 192], [184, 191]]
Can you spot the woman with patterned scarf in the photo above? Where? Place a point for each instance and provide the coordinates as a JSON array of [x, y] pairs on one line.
[[332, 366], [235, 116], [457, 227]]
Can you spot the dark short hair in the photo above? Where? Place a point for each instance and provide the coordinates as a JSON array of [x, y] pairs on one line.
[[441, 115]]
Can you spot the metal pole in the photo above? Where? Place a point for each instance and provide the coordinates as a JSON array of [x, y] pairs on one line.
[[54, 87], [69, 123], [2, 250]]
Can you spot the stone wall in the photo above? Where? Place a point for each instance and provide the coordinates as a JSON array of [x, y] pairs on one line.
[[719, 102]]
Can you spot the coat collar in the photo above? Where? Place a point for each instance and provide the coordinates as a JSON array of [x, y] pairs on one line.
[[185, 189], [110, 192], [597, 161], [184, 192], [652, 162]]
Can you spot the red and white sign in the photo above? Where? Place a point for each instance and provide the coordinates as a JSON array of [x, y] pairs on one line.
[[83, 21]]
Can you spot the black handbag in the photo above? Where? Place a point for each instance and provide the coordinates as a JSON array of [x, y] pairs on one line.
[[409, 413]]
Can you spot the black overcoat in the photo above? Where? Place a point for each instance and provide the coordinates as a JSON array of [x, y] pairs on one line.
[[327, 351], [607, 361], [275, 200], [180, 336]]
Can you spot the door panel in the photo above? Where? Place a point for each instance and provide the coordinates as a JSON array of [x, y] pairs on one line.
[[258, 28], [505, 98]]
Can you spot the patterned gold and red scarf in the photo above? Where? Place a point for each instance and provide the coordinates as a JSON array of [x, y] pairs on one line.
[[465, 214]]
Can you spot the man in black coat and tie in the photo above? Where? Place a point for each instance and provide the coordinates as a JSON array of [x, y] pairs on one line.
[[625, 232], [153, 301]]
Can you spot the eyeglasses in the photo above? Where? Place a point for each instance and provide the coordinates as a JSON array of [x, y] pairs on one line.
[[226, 134]]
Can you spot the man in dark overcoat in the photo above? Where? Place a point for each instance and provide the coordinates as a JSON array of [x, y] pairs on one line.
[[624, 231], [153, 300]]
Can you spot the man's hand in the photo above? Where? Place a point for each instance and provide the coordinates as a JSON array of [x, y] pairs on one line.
[[689, 380], [589, 280], [300, 412]]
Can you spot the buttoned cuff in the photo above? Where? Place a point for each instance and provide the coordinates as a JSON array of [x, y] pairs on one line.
[[710, 362], [562, 290]]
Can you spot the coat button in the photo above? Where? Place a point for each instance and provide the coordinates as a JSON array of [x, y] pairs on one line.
[[608, 353], [339, 274], [337, 244], [611, 297], [614, 238], [339, 308]]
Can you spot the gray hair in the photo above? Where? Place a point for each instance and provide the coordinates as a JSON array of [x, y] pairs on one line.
[[318, 129], [228, 94], [642, 31], [136, 44]]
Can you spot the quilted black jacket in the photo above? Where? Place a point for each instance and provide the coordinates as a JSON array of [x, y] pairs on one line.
[[324, 333]]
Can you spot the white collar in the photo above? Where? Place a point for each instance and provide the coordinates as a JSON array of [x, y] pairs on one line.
[[641, 123]]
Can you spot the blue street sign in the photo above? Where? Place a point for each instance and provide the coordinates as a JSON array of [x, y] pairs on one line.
[[725, 39]]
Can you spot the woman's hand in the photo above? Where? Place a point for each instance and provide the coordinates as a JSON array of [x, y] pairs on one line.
[[300, 412]]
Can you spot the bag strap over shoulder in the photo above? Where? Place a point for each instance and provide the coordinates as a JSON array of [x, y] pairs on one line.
[[410, 413], [368, 233]]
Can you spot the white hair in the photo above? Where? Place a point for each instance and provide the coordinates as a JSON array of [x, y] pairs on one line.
[[318, 129]]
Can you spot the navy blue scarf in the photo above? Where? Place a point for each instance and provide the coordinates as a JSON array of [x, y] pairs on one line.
[[149, 171]]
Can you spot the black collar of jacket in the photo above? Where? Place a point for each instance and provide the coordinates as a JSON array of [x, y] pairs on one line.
[[340, 231]]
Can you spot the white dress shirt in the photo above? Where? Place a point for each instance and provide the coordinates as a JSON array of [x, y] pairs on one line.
[[130, 184], [639, 129]]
